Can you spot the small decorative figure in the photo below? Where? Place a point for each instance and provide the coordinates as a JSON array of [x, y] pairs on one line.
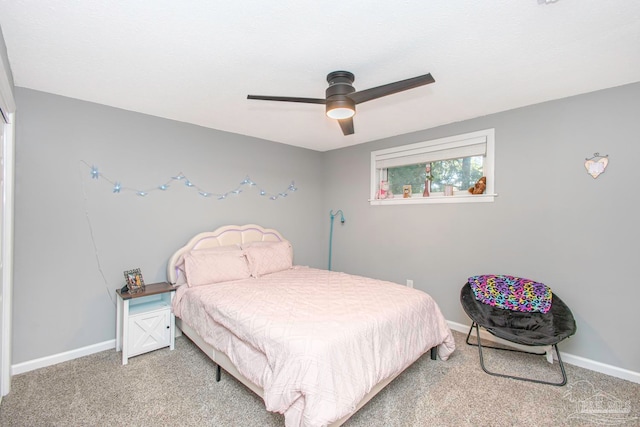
[[383, 193], [427, 181], [479, 187]]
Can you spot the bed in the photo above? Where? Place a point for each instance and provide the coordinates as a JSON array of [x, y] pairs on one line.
[[316, 345]]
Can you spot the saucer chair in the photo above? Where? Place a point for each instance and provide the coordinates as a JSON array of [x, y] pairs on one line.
[[531, 328]]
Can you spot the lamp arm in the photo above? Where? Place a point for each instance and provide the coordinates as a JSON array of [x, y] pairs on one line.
[[338, 212]]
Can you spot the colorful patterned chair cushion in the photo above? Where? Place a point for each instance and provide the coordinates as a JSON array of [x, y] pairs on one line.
[[511, 293]]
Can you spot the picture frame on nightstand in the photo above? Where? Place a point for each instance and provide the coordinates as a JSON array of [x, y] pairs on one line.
[[134, 280]]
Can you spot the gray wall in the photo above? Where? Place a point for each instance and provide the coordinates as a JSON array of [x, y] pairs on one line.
[[74, 237], [551, 222]]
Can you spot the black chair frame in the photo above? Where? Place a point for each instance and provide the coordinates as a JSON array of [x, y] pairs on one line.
[[529, 329], [484, 368]]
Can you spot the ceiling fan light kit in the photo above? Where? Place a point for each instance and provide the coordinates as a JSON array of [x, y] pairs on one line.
[[341, 97], [341, 108]]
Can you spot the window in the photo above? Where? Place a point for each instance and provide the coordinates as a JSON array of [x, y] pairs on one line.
[[446, 167]]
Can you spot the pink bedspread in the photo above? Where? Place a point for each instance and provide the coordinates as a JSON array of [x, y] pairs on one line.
[[316, 341]]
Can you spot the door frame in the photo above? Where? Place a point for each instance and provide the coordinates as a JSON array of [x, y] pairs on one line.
[[7, 126], [7, 257]]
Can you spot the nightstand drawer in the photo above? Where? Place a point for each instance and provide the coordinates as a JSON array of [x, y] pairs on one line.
[[149, 330]]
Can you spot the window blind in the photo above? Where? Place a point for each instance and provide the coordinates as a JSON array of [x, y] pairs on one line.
[[422, 153]]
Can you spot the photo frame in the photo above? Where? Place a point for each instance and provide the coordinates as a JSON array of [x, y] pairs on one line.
[[133, 279]]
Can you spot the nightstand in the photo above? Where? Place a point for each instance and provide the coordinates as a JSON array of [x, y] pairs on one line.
[[144, 321]]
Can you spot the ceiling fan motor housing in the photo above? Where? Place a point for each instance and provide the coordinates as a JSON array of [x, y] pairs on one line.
[[339, 89], [339, 83]]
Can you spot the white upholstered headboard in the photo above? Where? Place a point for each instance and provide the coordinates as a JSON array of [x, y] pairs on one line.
[[223, 236]]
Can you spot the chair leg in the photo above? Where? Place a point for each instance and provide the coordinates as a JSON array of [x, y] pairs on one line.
[[479, 345]]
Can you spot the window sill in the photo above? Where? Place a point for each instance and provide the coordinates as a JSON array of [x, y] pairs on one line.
[[419, 200]]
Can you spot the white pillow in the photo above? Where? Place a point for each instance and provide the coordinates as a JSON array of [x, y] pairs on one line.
[[214, 265], [268, 257]]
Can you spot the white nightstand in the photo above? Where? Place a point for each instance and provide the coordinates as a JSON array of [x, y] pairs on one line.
[[144, 321]]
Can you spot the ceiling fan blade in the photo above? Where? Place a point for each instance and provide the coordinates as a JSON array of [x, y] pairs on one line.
[[287, 99], [347, 126], [391, 88]]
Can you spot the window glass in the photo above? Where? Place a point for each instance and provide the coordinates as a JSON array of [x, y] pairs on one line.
[[413, 175]]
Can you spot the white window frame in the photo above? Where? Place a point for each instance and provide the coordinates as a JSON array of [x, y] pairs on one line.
[[434, 150]]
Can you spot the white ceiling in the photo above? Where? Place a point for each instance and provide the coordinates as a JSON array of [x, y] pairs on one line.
[[196, 60]]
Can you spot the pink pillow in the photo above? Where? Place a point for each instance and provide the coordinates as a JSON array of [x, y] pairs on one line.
[[268, 257], [180, 269], [207, 266]]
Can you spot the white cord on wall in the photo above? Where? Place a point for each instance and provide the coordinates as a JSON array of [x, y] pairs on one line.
[[110, 292]]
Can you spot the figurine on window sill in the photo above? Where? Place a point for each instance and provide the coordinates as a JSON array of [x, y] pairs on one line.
[[427, 181], [479, 187], [385, 191]]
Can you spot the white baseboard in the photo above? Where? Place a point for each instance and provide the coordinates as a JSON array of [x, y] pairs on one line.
[[603, 368], [43, 362], [571, 359]]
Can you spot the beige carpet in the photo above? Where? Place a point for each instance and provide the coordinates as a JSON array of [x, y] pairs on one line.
[[178, 388]]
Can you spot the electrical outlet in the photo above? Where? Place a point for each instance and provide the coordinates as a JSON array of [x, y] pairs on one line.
[[409, 283]]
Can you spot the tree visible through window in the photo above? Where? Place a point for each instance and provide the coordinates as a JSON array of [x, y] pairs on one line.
[[460, 173]]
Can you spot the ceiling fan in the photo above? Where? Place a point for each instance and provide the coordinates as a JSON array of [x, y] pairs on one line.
[[341, 97]]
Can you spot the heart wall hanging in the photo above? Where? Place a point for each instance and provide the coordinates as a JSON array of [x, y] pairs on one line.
[[596, 164]]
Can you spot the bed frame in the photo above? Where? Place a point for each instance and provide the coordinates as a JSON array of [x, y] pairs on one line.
[[232, 235]]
